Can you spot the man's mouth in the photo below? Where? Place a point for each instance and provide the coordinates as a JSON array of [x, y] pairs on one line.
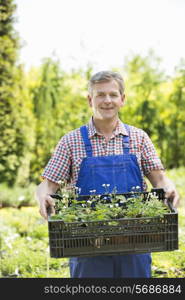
[[107, 108]]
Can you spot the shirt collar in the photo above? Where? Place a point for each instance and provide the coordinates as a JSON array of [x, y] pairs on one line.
[[120, 129]]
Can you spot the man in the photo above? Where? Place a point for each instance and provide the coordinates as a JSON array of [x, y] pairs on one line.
[[105, 151]]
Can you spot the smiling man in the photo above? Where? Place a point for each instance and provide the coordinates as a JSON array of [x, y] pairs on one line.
[[105, 152]]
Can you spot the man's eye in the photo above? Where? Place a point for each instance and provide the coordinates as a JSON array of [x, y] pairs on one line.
[[114, 95]]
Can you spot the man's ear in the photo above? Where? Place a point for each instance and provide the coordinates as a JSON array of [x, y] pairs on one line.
[[89, 100], [123, 99]]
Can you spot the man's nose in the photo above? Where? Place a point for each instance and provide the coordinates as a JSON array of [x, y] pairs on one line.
[[107, 99]]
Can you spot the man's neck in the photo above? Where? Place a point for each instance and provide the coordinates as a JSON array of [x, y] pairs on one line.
[[105, 127]]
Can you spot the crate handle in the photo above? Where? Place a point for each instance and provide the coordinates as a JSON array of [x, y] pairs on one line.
[[55, 196], [170, 204], [48, 209]]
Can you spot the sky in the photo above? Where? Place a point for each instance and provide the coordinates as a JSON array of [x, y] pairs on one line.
[[100, 32]]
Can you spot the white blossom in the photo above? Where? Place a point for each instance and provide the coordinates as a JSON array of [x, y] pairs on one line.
[[21, 198]]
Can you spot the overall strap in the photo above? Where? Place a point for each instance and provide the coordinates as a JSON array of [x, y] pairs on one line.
[[87, 143], [126, 140]]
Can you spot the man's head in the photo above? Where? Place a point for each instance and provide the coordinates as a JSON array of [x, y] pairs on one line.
[[106, 76], [106, 95]]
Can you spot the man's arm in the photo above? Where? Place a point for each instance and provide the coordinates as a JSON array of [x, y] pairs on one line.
[[43, 192], [158, 179]]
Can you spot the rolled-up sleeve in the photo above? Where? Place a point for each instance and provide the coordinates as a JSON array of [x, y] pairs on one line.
[[149, 158], [58, 167]]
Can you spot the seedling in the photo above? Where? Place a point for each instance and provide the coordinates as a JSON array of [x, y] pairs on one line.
[[109, 206]]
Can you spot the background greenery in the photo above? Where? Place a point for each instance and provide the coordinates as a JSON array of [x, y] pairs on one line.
[[39, 106], [24, 247]]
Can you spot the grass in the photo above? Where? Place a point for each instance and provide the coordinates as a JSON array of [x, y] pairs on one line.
[[172, 264], [24, 251], [24, 248]]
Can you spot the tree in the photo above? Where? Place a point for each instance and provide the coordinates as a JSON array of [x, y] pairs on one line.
[[8, 56], [176, 138], [14, 116], [55, 109], [144, 79]]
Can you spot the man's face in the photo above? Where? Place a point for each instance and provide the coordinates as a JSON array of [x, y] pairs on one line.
[[106, 100]]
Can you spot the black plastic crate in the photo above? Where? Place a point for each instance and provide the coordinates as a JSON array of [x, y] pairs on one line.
[[119, 236]]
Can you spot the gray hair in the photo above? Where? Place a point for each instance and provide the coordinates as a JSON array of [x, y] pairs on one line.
[[106, 76]]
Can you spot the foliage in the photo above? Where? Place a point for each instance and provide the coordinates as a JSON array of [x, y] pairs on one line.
[[110, 206], [53, 94], [8, 52], [24, 246], [177, 121], [17, 196], [143, 81], [152, 207], [15, 113], [155, 103]]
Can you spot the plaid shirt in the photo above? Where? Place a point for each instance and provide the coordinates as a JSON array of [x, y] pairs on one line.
[[70, 151]]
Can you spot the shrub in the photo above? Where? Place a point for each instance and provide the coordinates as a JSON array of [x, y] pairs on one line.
[[17, 196]]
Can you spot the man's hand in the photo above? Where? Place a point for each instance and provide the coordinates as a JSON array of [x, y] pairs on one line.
[[172, 194], [158, 179], [43, 192], [46, 206]]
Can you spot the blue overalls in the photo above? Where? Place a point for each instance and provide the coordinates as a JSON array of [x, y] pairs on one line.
[[123, 173]]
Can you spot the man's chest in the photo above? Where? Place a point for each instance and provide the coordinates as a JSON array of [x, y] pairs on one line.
[[101, 147]]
